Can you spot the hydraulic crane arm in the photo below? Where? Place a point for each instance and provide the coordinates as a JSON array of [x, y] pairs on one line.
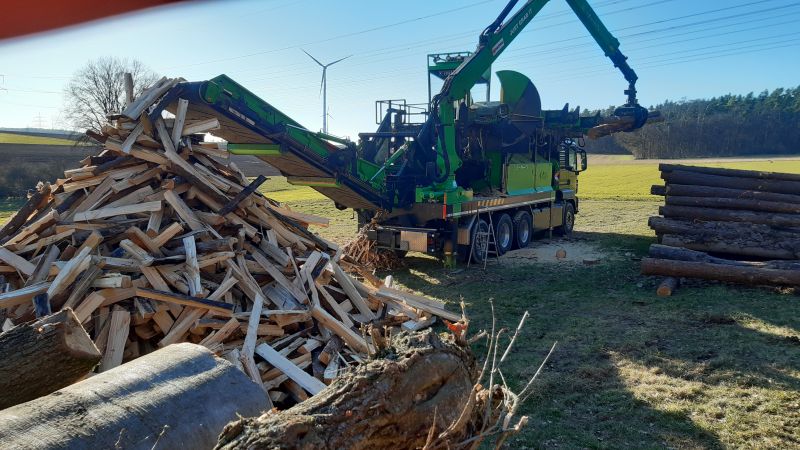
[[493, 41]]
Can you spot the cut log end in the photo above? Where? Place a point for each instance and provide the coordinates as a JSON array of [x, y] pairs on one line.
[[668, 287]]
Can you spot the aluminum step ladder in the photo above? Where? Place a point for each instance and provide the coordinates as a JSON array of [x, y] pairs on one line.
[[486, 241]]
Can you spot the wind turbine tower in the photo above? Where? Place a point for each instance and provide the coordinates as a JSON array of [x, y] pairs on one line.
[[323, 87]]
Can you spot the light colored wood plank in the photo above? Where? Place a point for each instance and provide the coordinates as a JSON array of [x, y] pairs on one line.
[[352, 293], [183, 211], [192, 267], [16, 261], [280, 362], [119, 211], [180, 120], [117, 337]]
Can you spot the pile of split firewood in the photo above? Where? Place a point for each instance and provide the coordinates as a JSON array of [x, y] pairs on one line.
[[160, 240], [738, 226]]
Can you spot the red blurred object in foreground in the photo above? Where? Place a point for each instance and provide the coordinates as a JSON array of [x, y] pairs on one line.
[[25, 17]]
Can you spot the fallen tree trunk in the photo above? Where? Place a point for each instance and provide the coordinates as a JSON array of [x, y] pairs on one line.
[[734, 203], [753, 184], [687, 190], [44, 356], [719, 245], [180, 396], [733, 238], [386, 404], [720, 272], [722, 215], [663, 167], [685, 254]]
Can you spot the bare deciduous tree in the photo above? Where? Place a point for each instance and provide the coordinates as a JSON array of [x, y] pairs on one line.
[[98, 89]]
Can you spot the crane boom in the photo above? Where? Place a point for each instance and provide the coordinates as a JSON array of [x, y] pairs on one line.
[[492, 42]]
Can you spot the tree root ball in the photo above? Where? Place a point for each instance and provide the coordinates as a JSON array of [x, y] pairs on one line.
[[390, 402]]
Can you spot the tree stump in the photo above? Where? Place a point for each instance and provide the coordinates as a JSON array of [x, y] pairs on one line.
[[388, 403]]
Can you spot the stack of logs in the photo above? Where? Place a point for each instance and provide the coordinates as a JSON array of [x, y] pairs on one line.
[[738, 226], [159, 240]]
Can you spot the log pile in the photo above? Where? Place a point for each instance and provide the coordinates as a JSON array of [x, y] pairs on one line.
[[738, 226], [159, 240]]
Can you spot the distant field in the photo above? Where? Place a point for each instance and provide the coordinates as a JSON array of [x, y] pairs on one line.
[[13, 138], [629, 180]]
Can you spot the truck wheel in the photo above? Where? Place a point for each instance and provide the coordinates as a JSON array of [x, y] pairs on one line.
[[523, 229], [569, 220], [479, 242], [504, 233]]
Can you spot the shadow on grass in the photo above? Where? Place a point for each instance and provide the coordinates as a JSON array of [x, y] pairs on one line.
[[631, 369]]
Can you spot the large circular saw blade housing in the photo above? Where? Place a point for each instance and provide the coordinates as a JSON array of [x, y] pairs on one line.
[[522, 98]]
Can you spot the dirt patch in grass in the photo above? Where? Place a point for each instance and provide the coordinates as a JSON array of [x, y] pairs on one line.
[[558, 251]]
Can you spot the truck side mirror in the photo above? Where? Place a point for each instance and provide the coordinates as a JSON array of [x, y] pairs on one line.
[[583, 160]]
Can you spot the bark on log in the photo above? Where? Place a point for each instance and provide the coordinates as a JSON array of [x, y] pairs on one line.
[[44, 356], [685, 254], [732, 238], [386, 404], [668, 286], [721, 215], [708, 191], [180, 396], [720, 272], [734, 203], [752, 184], [730, 172]]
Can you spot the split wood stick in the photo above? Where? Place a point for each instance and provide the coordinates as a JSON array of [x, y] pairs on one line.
[[131, 139], [21, 296], [334, 305], [306, 381], [118, 211], [168, 233], [154, 223], [136, 252], [17, 262], [231, 206], [192, 267], [34, 228], [127, 80], [31, 206], [183, 211], [352, 293], [213, 340], [83, 285], [180, 120], [117, 337], [353, 339], [224, 309], [415, 301], [200, 126], [187, 319], [44, 265]]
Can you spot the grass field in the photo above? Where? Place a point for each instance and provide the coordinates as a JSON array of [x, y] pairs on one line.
[[714, 366], [13, 138]]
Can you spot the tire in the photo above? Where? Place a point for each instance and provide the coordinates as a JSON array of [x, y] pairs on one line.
[[523, 229], [478, 253], [503, 233], [569, 220]]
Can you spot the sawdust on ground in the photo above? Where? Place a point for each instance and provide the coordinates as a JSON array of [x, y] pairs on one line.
[[575, 251]]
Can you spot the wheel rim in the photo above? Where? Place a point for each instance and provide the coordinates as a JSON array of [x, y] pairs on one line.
[[504, 235], [524, 232], [481, 243], [570, 220]]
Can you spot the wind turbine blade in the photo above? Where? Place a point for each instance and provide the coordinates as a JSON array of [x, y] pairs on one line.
[[339, 60], [315, 59]]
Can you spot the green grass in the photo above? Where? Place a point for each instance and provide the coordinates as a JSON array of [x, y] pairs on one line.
[[13, 138], [632, 181], [714, 366], [8, 208]]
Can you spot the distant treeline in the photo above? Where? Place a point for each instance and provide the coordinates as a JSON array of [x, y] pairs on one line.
[[730, 125]]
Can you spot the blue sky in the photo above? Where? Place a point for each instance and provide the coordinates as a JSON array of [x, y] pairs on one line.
[[679, 48]]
